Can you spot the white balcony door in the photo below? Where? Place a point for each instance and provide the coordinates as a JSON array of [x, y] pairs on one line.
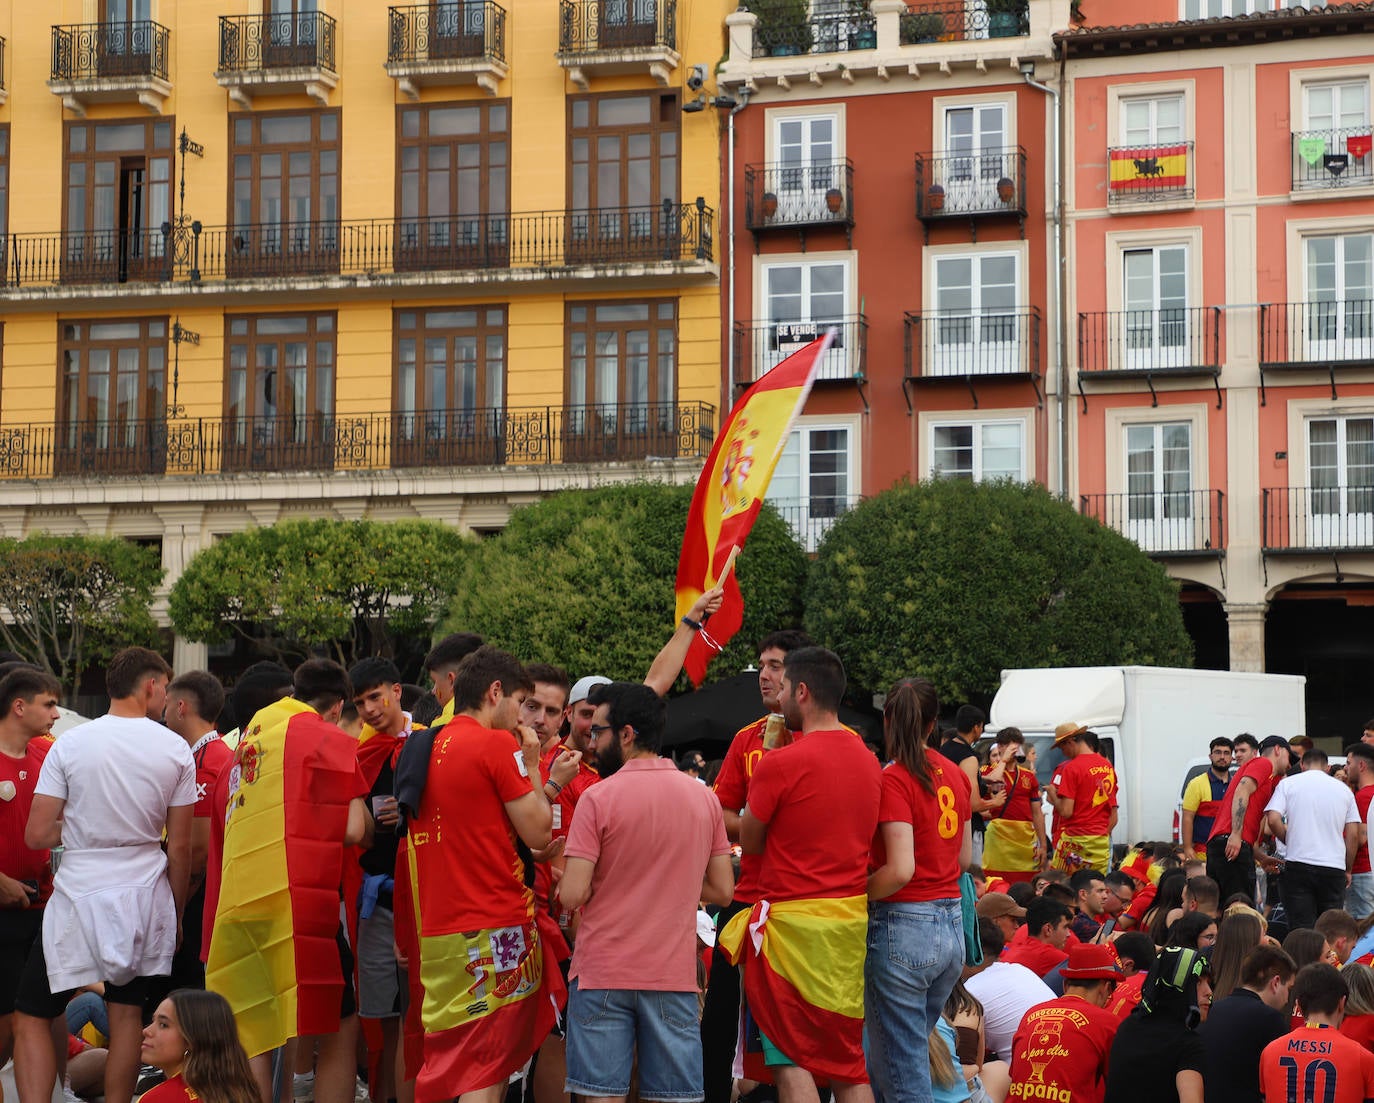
[[975, 137], [1155, 320], [1159, 484], [978, 451], [1340, 467], [1151, 120], [1340, 286], [812, 484], [974, 331], [804, 171], [803, 300], [1343, 106]]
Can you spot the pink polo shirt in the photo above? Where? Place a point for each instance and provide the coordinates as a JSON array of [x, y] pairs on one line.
[[650, 830]]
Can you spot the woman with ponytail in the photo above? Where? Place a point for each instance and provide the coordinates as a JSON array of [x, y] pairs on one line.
[[915, 925], [193, 1039]]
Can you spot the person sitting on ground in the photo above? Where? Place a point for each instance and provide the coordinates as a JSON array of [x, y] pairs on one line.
[[1136, 955], [1237, 936], [1005, 990], [1340, 931], [1168, 899], [1195, 931], [1090, 898], [1315, 1050], [1307, 946], [1004, 913], [1047, 934], [1157, 1056], [981, 1081], [1241, 1025], [194, 1041], [1358, 1024], [1200, 894]]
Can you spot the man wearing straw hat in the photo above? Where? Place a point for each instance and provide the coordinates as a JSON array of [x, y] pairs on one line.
[[1083, 794]]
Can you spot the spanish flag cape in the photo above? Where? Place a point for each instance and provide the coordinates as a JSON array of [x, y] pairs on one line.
[[804, 979], [274, 955]]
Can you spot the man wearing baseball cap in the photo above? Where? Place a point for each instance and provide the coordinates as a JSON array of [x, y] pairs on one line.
[[1230, 849], [1060, 1050], [1004, 912], [1083, 793]]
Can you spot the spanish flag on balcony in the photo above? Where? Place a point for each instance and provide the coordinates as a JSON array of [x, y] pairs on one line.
[[1149, 168], [274, 954], [730, 494]]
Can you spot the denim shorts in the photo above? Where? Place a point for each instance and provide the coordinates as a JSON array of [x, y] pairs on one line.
[[605, 1026]]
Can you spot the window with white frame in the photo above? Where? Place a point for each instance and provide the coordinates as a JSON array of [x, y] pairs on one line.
[[806, 165], [1159, 485], [1334, 146], [1340, 471], [1217, 9], [813, 482], [801, 300], [1340, 287], [978, 450], [975, 153], [974, 330], [1154, 319], [1152, 120]]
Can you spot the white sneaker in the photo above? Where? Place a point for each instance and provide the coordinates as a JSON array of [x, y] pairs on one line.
[[360, 1092], [69, 1096], [303, 1087]]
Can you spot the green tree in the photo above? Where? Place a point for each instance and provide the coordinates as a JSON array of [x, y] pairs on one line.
[[957, 581], [354, 587], [75, 600], [585, 578]]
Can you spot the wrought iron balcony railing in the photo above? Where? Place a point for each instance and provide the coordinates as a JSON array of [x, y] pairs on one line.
[[1180, 522], [1317, 334], [87, 51], [811, 518], [957, 184], [954, 344], [1181, 340], [432, 32], [2, 63], [258, 43], [605, 237], [1333, 158], [786, 196], [762, 346], [1319, 519], [595, 26], [962, 20], [1159, 173], [364, 442], [787, 28]]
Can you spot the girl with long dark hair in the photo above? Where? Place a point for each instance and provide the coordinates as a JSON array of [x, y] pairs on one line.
[[193, 1039]]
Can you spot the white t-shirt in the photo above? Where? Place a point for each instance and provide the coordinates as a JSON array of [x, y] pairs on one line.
[[118, 776], [1317, 808], [1006, 991]]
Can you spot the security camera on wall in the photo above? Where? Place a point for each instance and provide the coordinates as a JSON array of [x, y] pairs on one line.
[[696, 78]]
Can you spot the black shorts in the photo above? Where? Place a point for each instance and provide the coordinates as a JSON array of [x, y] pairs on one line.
[[20, 928], [36, 997], [348, 1005]]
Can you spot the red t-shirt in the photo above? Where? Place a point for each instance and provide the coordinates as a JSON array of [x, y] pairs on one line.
[[1127, 995], [819, 799], [732, 790], [1261, 772], [1023, 794], [1316, 1063], [565, 803], [18, 776], [212, 759], [462, 838], [1090, 781], [1060, 1052], [1363, 797], [1359, 1028], [1039, 957], [937, 820], [170, 1091]]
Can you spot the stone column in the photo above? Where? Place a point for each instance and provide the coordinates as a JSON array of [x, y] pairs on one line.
[[887, 22], [740, 27], [1245, 623]]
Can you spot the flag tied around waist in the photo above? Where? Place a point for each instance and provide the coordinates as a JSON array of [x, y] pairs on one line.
[[730, 492]]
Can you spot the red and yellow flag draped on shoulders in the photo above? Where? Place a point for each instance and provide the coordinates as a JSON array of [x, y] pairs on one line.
[[730, 494]]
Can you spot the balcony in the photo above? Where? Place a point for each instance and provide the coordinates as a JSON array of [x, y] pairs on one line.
[[972, 347], [1328, 160], [799, 197], [810, 518], [787, 28], [1176, 524], [612, 37], [277, 54], [542, 435], [432, 46], [1148, 344], [110, 63], [762, 346], [964, 20], [1320, 336], [1300, 520], [1155, 175], [974, 185], [669, 240]]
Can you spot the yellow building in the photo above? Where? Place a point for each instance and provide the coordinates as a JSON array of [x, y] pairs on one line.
[[279, 258]]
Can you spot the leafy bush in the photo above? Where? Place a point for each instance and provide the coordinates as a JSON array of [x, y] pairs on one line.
[[585, 578], [957, 581]]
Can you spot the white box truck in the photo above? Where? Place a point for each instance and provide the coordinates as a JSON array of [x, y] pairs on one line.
[[1151, 721]]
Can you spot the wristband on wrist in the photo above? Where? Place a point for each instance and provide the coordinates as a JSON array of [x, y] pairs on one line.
[[556, 787], [694, 625]]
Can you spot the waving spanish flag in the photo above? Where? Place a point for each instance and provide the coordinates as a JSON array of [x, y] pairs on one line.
[[1149, 168], [730, 494], [275, 954]]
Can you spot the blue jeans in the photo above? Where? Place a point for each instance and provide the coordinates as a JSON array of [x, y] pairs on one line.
[[1359, 897], [915, 956], [607, 1025]]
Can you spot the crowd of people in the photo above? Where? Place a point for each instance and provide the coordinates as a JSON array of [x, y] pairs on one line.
[[329, 885]]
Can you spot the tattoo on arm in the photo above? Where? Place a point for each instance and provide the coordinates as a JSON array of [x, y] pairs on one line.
[[1238, 807]]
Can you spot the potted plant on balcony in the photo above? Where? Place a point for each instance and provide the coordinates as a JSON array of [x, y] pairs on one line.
[[1006, 189], [784, 27], [863, 30], [1005, 18], [935, 197], [925, 26], [769, 205], [834, 200]]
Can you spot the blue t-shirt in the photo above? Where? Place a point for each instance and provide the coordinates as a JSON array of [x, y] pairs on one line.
[[958, 1093]]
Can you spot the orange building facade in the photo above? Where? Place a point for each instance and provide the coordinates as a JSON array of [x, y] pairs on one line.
[[1219, 239]]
